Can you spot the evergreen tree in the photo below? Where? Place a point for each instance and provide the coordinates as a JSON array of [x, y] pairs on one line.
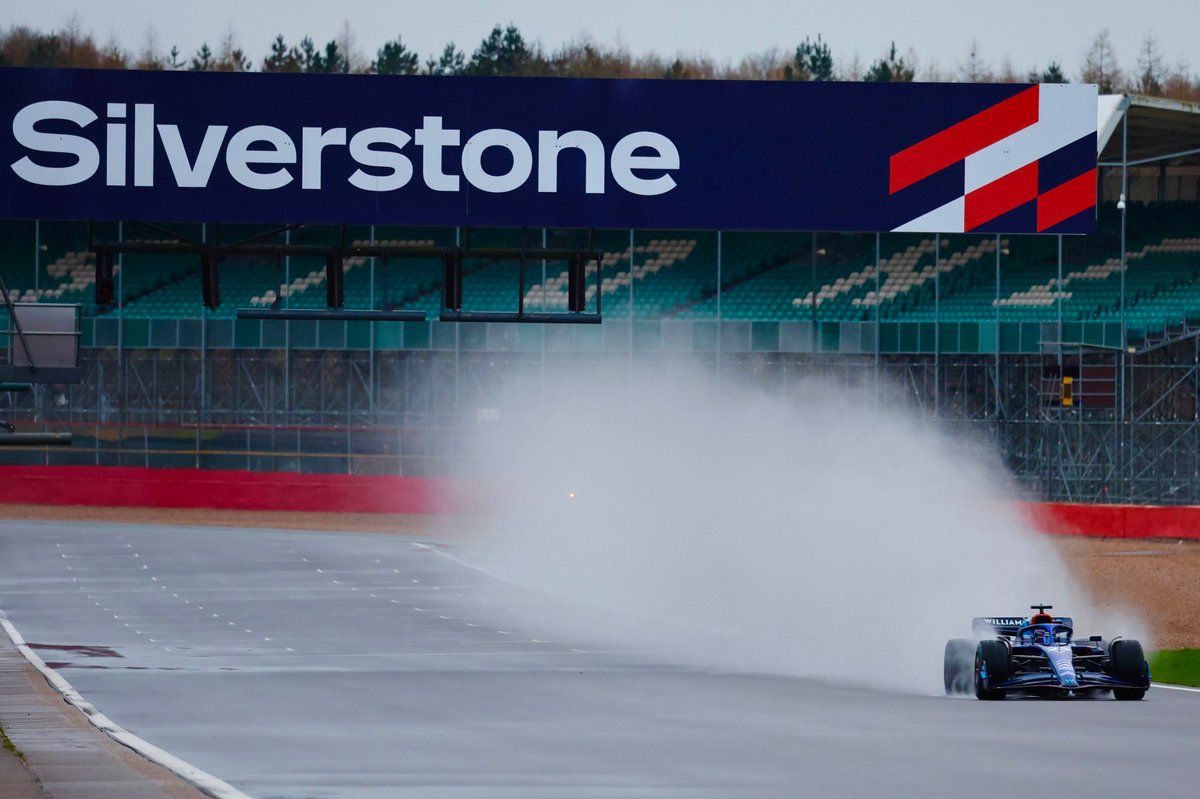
[[310, 58], [677, 71], [451, 62], [394, 58], [812, 61], [893, 68], [1051, 74], [503, 52], [282, 58], [202, 61]]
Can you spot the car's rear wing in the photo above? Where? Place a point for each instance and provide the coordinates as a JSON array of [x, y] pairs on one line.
[[1007, 625]]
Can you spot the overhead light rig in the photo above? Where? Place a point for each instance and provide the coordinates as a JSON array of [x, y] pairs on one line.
[[211, 254]]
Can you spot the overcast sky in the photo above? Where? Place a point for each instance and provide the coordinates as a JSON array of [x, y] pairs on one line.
[[938, 31]]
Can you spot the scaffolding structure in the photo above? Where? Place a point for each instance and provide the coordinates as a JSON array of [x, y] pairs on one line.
[[410, 412]]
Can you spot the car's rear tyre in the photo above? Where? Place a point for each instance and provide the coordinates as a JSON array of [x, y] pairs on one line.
[[957, 663], [1127, 662], [994, 658]]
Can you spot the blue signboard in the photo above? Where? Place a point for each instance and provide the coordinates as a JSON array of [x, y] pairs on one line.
[[285, 148]]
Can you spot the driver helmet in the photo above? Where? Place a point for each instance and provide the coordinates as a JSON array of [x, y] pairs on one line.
[[1042, 636]]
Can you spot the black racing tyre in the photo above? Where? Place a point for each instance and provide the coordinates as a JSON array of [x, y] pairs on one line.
[[993, 655], [1127, 662], [957, 664]]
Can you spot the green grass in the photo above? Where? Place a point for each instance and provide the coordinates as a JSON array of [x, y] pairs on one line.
[[7, 743], [1176, 666]]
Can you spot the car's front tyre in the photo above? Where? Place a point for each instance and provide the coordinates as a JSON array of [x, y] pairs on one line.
[[992, 659]]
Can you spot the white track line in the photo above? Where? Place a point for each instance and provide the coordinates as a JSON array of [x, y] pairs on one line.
[[201, 779], [1175, 687]]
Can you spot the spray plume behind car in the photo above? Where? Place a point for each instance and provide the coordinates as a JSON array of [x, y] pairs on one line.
[[823, 531]]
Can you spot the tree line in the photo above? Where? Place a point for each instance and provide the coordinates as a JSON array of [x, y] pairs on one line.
[[505, 51]]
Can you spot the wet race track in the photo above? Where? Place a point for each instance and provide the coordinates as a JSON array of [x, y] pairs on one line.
[[340, 665]]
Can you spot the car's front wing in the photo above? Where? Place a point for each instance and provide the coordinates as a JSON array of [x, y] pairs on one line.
[[1045, 679]]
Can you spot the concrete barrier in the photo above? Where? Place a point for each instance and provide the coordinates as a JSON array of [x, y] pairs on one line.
[[111, 486], [1116, 521]]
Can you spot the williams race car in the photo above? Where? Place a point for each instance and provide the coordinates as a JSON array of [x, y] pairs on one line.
[[1039, 655]]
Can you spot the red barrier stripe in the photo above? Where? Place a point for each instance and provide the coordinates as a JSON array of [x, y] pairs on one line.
[[1067, 199], [1116, 521], [1000, 196], [114, 486], [227, 490], [955, 143]]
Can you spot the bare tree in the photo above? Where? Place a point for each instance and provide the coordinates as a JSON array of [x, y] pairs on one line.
[[852, 69], [765, 65], [230, 56], [1150, 67], [1007, 72], [111, 55], [1180, 84], [1100, 65], [347, 43], [150, 55], [975, 69]]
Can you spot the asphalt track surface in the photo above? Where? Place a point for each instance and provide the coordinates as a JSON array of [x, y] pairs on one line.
[[339, 665]]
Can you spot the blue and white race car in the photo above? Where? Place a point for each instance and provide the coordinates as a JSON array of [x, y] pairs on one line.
[[1039, 655]]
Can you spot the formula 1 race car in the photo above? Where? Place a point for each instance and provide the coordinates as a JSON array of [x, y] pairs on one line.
[[1038, 655]]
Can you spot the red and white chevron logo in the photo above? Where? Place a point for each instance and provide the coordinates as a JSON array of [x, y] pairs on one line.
[[1003, 148]]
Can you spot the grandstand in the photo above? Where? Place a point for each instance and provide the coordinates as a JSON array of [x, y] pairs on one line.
[[767, 277]]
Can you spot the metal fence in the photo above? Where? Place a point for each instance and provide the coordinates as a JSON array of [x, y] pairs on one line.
[[1133, 436]]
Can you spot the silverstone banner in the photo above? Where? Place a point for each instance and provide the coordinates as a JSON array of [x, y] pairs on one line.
[[367, 149]]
